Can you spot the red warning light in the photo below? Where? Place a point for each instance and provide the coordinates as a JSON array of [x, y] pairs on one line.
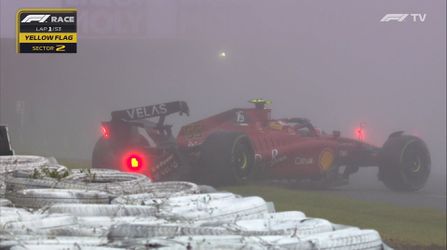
[[137, 161], [105, 131], [134, 161], [360, 132]]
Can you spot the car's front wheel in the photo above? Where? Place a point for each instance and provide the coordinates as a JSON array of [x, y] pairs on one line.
[[405, 163]]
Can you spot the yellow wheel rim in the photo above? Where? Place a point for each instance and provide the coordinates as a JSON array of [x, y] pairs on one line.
[[244, 161]]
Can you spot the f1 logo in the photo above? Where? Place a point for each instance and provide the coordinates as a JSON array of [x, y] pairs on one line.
[[35, 18], [401, 17], [394, 17]]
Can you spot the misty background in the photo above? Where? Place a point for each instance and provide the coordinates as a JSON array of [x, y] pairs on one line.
[[333, 62]]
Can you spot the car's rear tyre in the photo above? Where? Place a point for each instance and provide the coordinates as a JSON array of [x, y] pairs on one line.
[[226, 158], [405, 163], [103, 156]]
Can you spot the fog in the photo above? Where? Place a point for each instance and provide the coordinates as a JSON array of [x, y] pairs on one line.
[[333, 62]]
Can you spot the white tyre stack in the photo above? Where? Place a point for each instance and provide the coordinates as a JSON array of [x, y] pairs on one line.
[[220, 210], [102, 210], [38, 198], [12, 163], [107, 209], [5, 202]]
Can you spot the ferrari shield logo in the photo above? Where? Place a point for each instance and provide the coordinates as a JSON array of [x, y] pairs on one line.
[[326, 159]]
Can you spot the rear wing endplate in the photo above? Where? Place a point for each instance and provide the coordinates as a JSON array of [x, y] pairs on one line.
[[158, 110], [5, 145]]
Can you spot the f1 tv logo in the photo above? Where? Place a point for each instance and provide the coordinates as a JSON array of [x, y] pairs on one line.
[[35, 18], [417, 17]]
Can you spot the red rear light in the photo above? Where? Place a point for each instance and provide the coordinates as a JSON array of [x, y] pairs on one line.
[[105, 131], [134, 161], [360, 132]]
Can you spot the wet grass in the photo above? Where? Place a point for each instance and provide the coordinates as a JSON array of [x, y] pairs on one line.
[[423, 228]]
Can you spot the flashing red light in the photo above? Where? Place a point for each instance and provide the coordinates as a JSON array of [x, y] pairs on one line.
[[134, 161], [360, 132], [105, 131], [137, 161]]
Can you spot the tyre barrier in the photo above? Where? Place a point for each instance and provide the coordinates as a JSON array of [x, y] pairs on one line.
[[157, 192], [352, 239], [21, 162], [112, 182], [75, 246], [100, 226], [204, 242], [38, 198], [198, 199], [102, 210], [163, 230], [14, 184], [285, 216], [148, 199], [301, 227], [170, 189], [71, 210], [5, 203], [6, 243], [107, 222], [12, 211], [12, 163], [36, 224], [77, 231], [205, 189], [220, 210], [6, 218]]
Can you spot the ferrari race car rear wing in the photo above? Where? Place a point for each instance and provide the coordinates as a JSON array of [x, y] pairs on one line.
[[124, 122], [159, 110]]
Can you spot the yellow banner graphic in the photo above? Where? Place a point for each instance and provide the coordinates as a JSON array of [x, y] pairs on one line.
[[47, 37]]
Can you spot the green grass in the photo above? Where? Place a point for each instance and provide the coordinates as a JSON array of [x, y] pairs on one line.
[[413, 226]]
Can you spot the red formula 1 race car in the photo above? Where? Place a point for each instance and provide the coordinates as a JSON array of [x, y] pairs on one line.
[[244, 144]]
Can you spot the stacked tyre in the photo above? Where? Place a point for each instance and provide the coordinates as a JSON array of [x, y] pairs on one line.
[[50, 207]]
